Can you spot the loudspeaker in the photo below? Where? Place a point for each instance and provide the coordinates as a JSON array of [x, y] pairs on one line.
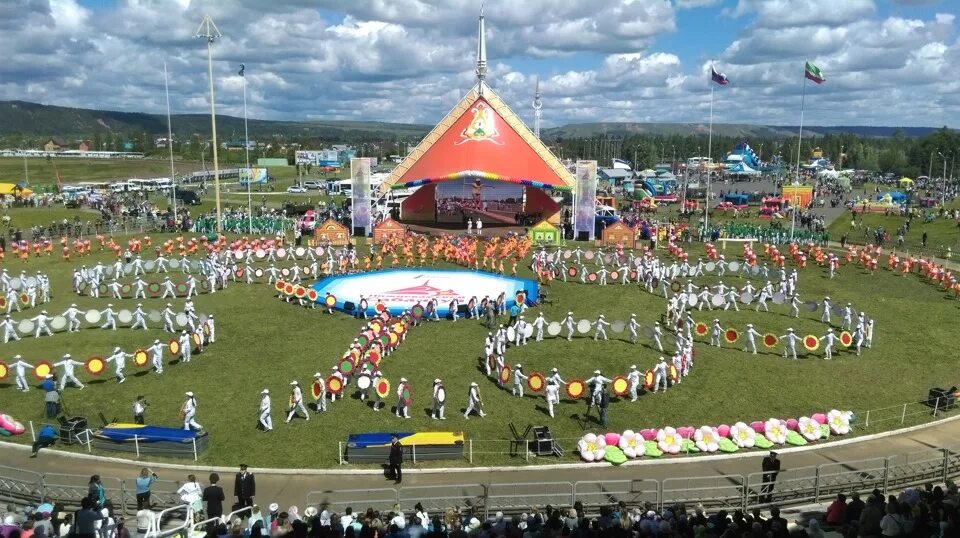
[[942, 399], [542, 443]]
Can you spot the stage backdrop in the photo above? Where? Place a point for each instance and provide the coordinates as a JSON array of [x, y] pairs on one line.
[[360, 185], [586, 191], [489, 200]]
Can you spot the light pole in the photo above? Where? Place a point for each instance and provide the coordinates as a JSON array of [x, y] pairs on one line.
[[208, 31], [840, 166], [246, 148]]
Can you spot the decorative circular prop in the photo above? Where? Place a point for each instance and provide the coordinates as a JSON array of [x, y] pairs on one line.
[[811, 342], [174, 347], [648, 379], [346, 366], [583, 326], [124, 316], [95, 365], [591, 277], [4, 370], [25, 326], [554, 328], [316, 389], [770, 340], [731, 336], [364, 382], [383, 388], [575, 388], [406, 395], [42, 369], [536, 382], [331, 301], [140, 357], [620, 385], [846, 339], [334, 384], [700, 329], [505, 374], [572, 272]]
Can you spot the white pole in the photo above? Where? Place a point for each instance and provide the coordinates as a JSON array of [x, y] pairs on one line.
[[246, 145], [793, 216], [213, 132], [173, 176], [26, 171], [706, 206]]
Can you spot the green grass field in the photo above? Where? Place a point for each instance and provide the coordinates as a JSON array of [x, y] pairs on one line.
[[264, 343], [941, 232]]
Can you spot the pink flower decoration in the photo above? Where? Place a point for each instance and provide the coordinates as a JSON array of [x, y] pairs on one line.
[[821, 418], [648, 434], [686, 431], [792, 424], [612, 439], [757, 426], [723, 430]]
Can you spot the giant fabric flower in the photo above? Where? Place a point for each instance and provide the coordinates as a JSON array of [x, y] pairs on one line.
[[810, 429], [631, 443], [707, 438], [743, 435], [669, 441], [592, 447], [839, 422], [775, 430]]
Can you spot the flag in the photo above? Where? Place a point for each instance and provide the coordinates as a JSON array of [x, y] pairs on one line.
[[241, 69], [719, 78], [813, 73]]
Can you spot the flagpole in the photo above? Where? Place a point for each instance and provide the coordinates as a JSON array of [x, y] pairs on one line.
[[706, 208], [173, 176], [793, 203], [246, 147]]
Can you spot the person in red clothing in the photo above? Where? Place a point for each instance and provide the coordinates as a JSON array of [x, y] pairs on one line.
[[837, 512]]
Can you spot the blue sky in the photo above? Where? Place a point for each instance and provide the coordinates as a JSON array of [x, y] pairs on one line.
[[887, 63]]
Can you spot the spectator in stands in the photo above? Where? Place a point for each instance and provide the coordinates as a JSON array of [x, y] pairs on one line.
[[837, 512], [96, 493], [145, 519], [87, 519], [870, 517], [143, 483], [854, 509], [43, 526], [213, 496], [65, 526]]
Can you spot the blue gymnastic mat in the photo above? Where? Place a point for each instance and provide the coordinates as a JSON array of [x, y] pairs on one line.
[[147, 434]]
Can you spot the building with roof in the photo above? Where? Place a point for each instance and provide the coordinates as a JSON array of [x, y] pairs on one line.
[[480, 161]]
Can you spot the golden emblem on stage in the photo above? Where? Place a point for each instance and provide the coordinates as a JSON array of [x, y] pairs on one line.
[[483, 126]]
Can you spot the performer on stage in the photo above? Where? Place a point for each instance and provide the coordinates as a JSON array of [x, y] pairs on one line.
[[829, 338], [296, 402], [633, 378], [188, 411], [790, 343], [156, 356], [474, 401], [186, 346], [139, 318], [68, 365], [402, 407], [599, 327], [20, 369], [110, 323], [119, 360], [568, 321], [73, 323], [660, 376], [9, 332], [518, 380], [41, 320], [439, 399], [751, 333]]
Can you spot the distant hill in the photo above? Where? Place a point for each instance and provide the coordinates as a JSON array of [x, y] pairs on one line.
[[36, 120], [32, 119], [737, 130]]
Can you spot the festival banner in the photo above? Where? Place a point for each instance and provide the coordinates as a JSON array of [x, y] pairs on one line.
[[253, 176], [586, 200], [360, 186]]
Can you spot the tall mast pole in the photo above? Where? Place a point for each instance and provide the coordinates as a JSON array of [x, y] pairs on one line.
[[537, 105], [173, 175], [208, 31]]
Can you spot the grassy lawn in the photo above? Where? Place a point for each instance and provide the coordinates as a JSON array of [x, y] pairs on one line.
[[263, 342], [941, 232]]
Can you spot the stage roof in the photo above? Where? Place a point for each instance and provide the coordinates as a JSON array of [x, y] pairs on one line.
[[481, 138]]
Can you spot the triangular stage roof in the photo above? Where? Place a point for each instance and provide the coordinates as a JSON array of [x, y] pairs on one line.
[[481, 138]]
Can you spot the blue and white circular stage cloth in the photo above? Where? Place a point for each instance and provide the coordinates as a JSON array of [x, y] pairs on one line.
[[401, 289]]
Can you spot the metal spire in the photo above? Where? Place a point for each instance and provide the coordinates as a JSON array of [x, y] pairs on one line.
[[208, 32], [537, 105], [481, 53]]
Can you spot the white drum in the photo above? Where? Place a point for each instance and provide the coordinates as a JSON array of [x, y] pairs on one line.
[[125, 316], [607, 258], [281, 252], [618, 326], [238, 255], [155, 316], [691, 301], [755, 270], [108, 271], [15, 283], [588, 255], [300, 252], [258, 273], [528, 330], [92, 316], [58, 323], [261, 254], [318, 251], [717, 300], [734, 266], [553, 328], [567, 253], [692, 272], [31, 282], [149, 265], [583, 326], [26, 326], [710, 267], [181, 320], [174, 264], [778, 298], [511, 334], [128, 268], [746, 297], [364, 382]]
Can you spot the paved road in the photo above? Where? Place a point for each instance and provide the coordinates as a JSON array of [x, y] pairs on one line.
[[292, 486]]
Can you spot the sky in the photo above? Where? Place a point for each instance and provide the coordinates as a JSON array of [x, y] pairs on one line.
[[887, 62]]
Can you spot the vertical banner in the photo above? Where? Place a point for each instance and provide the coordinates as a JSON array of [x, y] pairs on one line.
[[586, 197], [360, 188]]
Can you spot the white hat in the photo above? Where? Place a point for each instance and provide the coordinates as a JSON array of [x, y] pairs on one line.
[[518, 366], [403, 380], [157, 341], [265, 391], [318, 374], [474, 384], [310, 511], [139, 304], [437, 380], [74, 305], [168, 304], [596, 371], [294, 383], [67, 356], [633, 367], [554, 370], [189, 393], [601, 315], [116, 349], [274, 507], [633, 315], [749, 324], [790, 329], [109, 304], [569, 313]]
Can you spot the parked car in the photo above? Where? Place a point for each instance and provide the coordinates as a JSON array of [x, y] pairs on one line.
[[312, 185], [297, 189], [187, 197]]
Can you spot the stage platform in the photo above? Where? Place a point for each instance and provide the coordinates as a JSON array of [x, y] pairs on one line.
[[152, 440], [399, 290], [417, 446]]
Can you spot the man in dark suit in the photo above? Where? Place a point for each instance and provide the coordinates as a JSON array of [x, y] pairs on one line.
[[771, 468], [396, 459], [244, 487]]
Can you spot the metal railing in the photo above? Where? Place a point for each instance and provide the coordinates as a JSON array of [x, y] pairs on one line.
[[731, 491]]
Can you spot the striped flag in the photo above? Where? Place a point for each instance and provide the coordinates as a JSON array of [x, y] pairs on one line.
[[813, 73], [719, 78]]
